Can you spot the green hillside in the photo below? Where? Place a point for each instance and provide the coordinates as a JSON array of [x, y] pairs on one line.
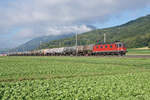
[[135, 33]]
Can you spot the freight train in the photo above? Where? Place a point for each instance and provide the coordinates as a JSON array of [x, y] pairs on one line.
[[116, 48]]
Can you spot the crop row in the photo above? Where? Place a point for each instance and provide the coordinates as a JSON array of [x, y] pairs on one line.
[[116, 87]]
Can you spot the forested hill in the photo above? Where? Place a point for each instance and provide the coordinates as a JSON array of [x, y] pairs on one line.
[[135, 33]]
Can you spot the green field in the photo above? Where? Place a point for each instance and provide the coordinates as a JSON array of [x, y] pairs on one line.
[[138, 52], [74, 78]]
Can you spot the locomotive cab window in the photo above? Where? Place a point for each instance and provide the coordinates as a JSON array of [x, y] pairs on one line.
[[101, 46], [119, 45], [106, 46]]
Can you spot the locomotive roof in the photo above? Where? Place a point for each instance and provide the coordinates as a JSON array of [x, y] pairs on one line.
[[109, 43]]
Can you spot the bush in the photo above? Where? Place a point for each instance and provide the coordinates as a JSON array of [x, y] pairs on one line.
[[149, 45]]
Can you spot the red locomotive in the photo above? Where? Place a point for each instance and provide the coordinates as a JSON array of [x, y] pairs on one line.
[[117, 48]]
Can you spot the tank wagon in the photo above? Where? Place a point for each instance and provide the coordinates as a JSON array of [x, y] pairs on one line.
[[116, 48]]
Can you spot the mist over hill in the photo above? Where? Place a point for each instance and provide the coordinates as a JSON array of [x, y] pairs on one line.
[[35, 43]]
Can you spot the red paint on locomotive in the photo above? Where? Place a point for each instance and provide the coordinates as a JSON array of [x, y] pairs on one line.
[[116, 48]]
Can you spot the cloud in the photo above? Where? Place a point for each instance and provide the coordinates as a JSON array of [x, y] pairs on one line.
[[56, 12], [45, 17], [27, 33], [68, 29]]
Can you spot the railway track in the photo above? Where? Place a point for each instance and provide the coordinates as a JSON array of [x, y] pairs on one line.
[[125, 56]]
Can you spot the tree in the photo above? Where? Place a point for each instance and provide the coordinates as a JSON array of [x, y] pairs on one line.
[[149, 45]]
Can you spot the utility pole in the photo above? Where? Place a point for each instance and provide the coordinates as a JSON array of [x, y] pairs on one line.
[[76, 43], [104, 37], [96, 35], [40, 44]]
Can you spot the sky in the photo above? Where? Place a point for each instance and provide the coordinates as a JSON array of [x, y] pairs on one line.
[[23, 20]]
